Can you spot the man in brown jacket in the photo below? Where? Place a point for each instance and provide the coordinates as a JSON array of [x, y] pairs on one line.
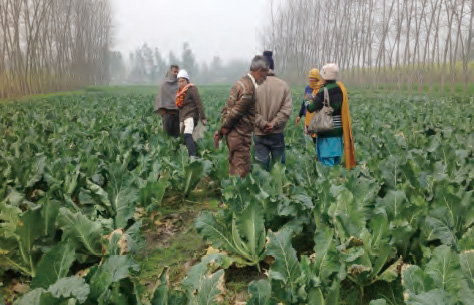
[[238, 117], [273, 109]]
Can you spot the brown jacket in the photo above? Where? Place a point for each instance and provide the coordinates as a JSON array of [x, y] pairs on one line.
[[239, 112], [192, 106], [273, 104]]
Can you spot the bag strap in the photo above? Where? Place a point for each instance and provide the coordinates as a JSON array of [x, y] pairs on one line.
[[326, 97]]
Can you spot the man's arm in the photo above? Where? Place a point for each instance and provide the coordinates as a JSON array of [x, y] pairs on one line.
[[158, 99], [241, 107]]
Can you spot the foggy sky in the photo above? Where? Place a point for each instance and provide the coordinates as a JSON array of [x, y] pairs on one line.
[[227, 28]]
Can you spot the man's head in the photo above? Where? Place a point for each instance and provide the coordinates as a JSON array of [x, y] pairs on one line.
[[183, 78], [269, 56], [259, 69], [174, 70]]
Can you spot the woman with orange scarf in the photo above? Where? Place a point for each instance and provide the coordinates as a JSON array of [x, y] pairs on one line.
[[190, 108], [315, 84], [339, 141]]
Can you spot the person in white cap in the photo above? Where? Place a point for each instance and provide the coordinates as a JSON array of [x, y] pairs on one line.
[[333, 144], [190, 108]]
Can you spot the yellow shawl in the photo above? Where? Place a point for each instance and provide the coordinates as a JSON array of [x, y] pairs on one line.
[[349, 150]]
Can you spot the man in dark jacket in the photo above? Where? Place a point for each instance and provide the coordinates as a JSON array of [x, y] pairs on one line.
[[238, 117], [165, 102]]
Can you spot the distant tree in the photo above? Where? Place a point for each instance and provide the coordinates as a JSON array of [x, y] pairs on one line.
[[188, 60], [117, 68], [173, 59]]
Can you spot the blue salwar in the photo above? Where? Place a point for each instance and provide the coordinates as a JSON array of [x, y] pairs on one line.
[[330, 150]]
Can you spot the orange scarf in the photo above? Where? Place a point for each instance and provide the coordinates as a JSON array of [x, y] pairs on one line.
[[349, 150], [181, 94]]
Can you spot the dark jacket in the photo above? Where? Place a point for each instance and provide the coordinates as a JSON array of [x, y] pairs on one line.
[[165, 99], [192, 106], [336, 98]]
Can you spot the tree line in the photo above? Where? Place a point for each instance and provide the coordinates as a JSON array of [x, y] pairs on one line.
[[148, 65], [377, 43], [52, 45]]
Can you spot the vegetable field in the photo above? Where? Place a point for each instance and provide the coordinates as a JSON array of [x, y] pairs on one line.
[[89, 184]]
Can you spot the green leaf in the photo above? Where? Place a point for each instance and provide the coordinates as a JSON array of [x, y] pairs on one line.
[[467, 266], [31, 298], [193, 173], [115, 268], [211, 289], [326, 260], [81, 232], [160, 296], [123, 194], [445, 270], [378, 302], [70, 287], [433, 297], [348, 214], [49, 213], [286, 267], [260, 293], [54, 265], [415, 281], [9, 214], [29, 230], [248, 232], [209, 263]]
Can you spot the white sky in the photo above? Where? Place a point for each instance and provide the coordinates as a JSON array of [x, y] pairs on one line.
[[227, 28]]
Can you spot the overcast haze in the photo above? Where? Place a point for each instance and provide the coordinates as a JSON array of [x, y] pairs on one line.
[[225, 28]]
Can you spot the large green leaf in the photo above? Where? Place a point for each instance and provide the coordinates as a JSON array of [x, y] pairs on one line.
[[248, 232], [70, 287], [286, 268], [326, 260], [85, 234], [29, 230], [115, 268], [193, 173], [211, 289], [54, 265], [260, 293], [123, 194], [467, 266]]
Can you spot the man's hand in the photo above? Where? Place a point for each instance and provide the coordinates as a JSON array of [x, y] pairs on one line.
[[217, 139], [204, 122], [268, 128], [298, 119], [306, 96]]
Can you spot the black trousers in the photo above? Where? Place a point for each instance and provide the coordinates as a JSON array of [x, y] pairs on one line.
[[171, 123]]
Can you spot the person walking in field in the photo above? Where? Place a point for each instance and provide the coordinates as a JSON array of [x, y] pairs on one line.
[[165, 102], [190, 108], [238, 117], [272, 110], [338, 141], [315, 84]]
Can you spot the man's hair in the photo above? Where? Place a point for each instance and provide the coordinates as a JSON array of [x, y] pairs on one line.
[[259, 62], [174, 67]]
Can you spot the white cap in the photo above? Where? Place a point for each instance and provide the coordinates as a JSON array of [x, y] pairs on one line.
[[329, 72], [183, 74]]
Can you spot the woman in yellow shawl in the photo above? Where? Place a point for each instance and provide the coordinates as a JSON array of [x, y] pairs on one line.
[[315, 83], [339, 141]]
